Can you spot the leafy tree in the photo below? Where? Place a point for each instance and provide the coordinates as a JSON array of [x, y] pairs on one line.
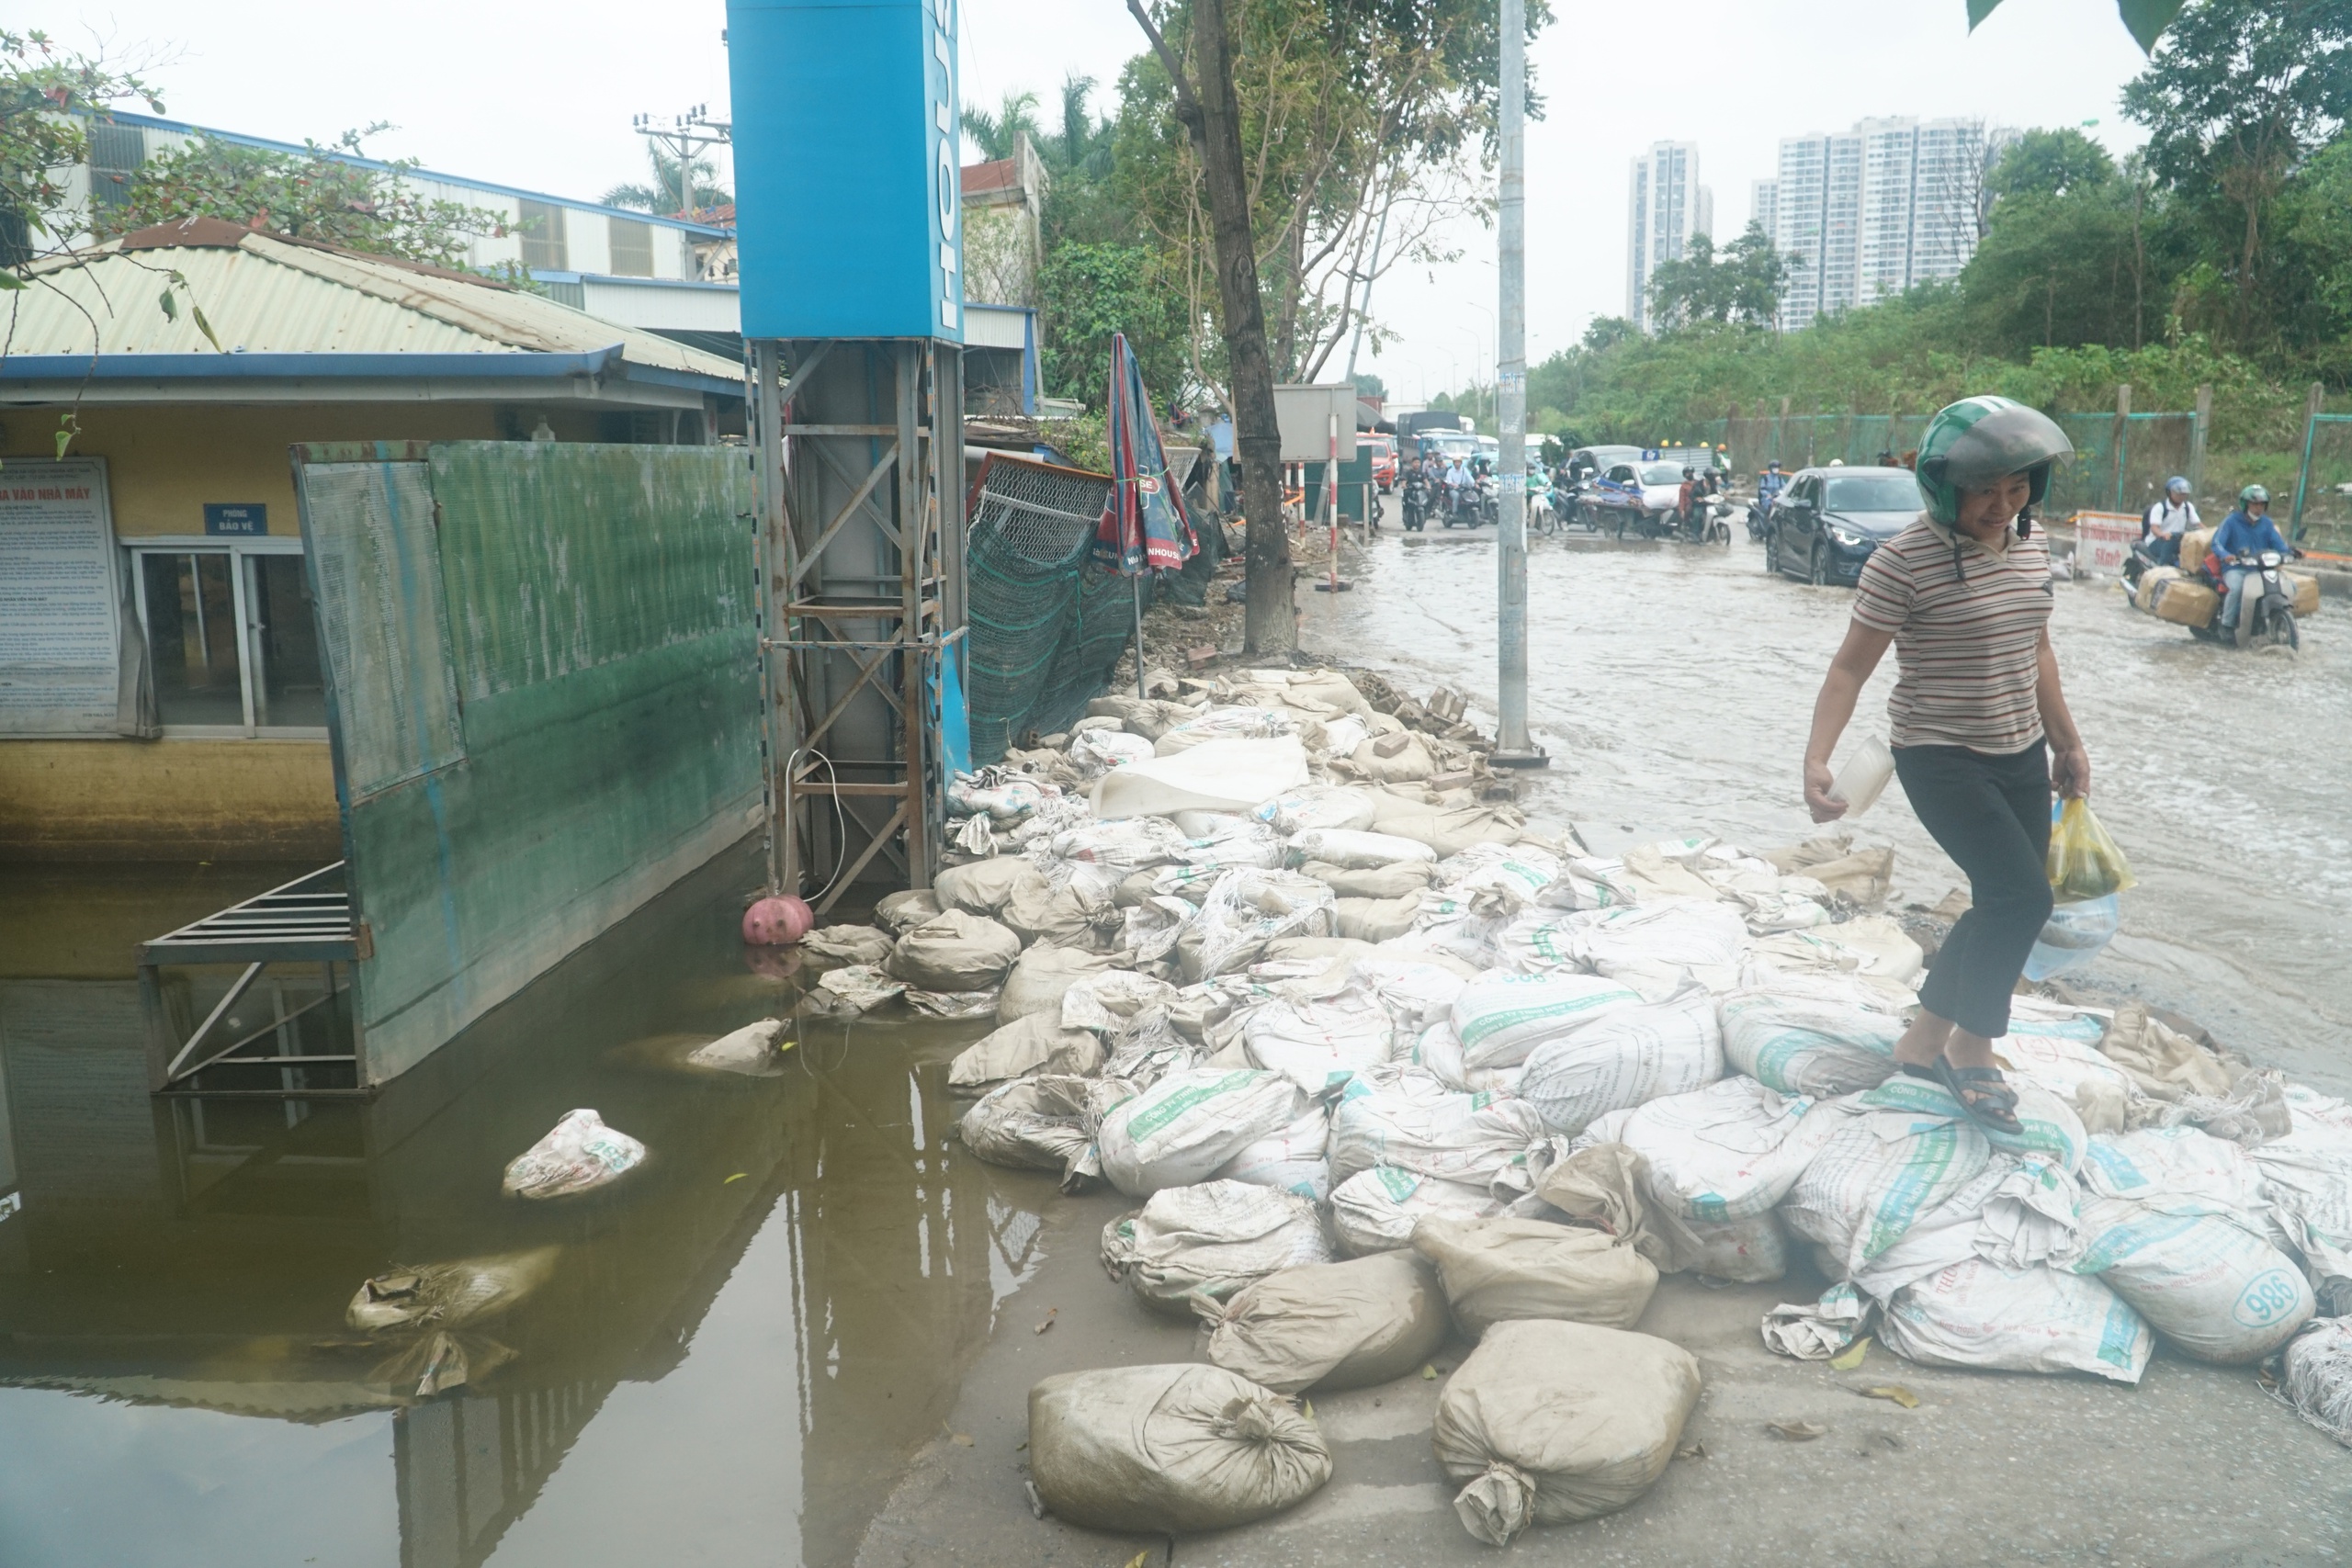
[[2239, 94], [1091, 291], [317, 194], [1744, 284], [1606, 332], [47, 97], [2147, 19], [2049, 163], [1370, 386]]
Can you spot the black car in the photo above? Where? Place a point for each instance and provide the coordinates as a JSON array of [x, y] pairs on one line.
[[1828, 521]]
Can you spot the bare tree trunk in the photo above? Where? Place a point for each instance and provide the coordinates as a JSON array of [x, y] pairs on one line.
[[1213, 120]]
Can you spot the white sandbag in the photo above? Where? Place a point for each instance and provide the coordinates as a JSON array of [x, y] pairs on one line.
[[1034, 1124], [1752, 1251], [1127, 846], [1071, 915], [954, 952], [1332, 1326], [1033, 1043], [1516, 874], [1402, 879], [1097, 751], [1870, 944], [1976, 1314], [1009, 800], [1318, 805], [1215, 775], [1500, 1269], [1293, 1159], [1375, 1211], [578, 1155], [956, 1007], [1343, 847], [1235, 842], [1417, 992], [848, 944], [1109, 1001], [2047, 1125], [1375, 919], [1404, 1117], [1439, 1050], [2315, 1374], [853, 990], [1450, 831], [1501, 1018], [899, 913], [982, 887], [2100, 1092], [1627, 1057], [1320, 1043], [1547, 1423], [1810, 1035], [1169, 1449], [749, 1051], [1730, 1151], [1198, 1245], [1875, 1178], [1323, 950], [1042, 976], [1247, 909], [1182, 1128], [2178, 1170], [1646, 941], [2218, 1292], [1225, 724]]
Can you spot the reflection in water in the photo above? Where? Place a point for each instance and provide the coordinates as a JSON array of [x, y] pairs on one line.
[[737, 1345]]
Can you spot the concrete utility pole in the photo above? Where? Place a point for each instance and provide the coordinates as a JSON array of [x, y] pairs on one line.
[[1512, 747]]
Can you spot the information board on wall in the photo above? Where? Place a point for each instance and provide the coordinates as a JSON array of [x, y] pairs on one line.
[[61, 632]]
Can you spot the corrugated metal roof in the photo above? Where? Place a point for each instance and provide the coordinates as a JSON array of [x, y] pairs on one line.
[[270, 295]]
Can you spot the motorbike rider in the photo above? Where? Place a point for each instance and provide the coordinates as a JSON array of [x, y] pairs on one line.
[[2165, 522], [2242, 534], [1458, 486], [1686, 498], [1769, 486]]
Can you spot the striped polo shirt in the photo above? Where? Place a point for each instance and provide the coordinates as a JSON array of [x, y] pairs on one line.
[[1967, 621]]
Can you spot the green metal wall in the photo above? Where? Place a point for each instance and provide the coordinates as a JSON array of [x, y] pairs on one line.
[[597, 620]]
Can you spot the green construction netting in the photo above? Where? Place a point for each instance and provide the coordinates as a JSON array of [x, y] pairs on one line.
[[1047, 623]]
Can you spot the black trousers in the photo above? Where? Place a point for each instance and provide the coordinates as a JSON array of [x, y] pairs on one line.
[[1992, 816]]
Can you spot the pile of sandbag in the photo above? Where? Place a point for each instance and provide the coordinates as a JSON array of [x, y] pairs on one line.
[[1383, 1060]]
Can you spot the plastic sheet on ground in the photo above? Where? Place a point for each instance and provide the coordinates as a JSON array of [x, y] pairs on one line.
[[1169, 1448], [1547, 1423], [1216, 775], [1190, 1247]]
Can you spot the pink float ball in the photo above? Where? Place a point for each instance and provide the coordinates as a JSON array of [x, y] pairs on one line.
[[777, 922]]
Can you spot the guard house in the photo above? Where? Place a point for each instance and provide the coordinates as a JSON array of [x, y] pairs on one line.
[[167, 591], [439, 586]]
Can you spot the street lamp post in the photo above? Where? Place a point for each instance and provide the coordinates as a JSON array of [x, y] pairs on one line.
[[1513, 748]]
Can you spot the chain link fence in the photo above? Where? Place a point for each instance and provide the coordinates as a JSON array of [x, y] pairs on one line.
[[2323, 503]]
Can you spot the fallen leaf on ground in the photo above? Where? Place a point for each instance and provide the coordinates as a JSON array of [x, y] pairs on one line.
[[1049, 1320], [737, 1177], [1429, 1374], [1846, 1360], [1307, 1407], [1891, 1390], [1139, 1558], [1796, 1431], [1691, 1450]]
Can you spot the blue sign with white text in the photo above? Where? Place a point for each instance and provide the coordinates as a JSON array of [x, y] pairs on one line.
[[235, 517], [848, 168]]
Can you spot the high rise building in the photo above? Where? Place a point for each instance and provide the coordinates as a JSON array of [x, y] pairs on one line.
[[1665, 205], [1764, 204], [1866, 214]]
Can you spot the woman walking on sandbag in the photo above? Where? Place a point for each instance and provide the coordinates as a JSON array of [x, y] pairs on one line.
[[1981, 730]]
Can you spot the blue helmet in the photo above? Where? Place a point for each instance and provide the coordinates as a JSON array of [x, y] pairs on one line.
[[2176, 483]]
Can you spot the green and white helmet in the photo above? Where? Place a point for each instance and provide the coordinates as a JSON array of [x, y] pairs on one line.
[[1978, 440]]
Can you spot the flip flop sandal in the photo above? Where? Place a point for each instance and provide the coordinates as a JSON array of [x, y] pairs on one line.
[[1985, 1096]]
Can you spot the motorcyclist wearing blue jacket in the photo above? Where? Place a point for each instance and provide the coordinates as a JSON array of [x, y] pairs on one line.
[[2241, 535], [1769, 486]]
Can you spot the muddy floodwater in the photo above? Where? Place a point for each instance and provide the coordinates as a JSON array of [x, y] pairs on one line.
[[1673, 685], [739, 1351], [735, 1350]]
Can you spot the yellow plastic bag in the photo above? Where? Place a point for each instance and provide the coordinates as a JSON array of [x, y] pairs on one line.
[[2085, 862]]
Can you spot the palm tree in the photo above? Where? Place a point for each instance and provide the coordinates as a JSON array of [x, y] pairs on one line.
[[997, 133], [661, 195], [1083, 142]]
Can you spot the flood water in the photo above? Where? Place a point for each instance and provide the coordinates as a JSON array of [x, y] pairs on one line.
[[739, 1345], [1673, 685], [742, 1345]]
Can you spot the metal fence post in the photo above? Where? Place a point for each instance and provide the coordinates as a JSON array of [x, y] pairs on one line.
[[2314, 405], [2122, 435], [2204, 418]]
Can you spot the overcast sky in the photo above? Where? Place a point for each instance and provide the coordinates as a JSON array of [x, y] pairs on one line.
[[541, 98]]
